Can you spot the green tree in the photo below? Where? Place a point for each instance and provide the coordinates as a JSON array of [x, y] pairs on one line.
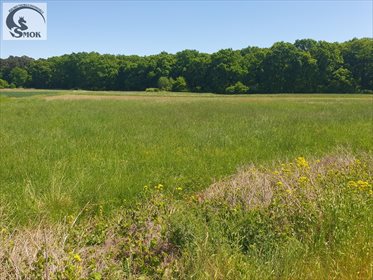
[[3, 84], [329, 59], [164, 83], [342, 81], [288, 69], [305, 66], [193, 66], [358, 58], [8, 64], [41, 74], [179, 84], [19, 76], [225, 69]]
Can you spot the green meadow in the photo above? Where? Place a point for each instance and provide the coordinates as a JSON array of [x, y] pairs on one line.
[[57, 155], [131, 185]]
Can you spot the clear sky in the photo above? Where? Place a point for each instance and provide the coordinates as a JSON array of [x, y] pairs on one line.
[[149, 27]]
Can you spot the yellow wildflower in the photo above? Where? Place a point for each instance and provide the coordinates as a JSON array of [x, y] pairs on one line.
[[77, 258], [302, 163], [303, 180], [362, 185], [159, 187], [279, 184]]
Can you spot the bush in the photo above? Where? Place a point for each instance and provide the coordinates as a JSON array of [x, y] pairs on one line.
[[237, 88], [367, 91], [165, 83], [152, 90], [3, 84], [179, 84]]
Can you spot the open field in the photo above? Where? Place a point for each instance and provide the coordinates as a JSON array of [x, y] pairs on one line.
[[78, 162], [61, 152]]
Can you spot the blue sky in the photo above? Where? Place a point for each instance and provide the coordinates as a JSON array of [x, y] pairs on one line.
[[149, 27]]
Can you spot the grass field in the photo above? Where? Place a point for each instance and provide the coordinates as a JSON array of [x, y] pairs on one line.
[[61, 151], [57, 155]]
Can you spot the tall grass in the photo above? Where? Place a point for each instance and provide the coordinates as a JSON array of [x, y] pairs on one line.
[[56, 156], [304, 219]]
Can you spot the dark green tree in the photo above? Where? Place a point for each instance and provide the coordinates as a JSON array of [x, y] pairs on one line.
[[305, 66], [19, 76]]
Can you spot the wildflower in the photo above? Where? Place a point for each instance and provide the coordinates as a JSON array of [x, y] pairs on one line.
[[289, 191], [302, 163], [179, 189], [362, 185], [77, 258], [146, 187], [352, 184], [276, 173], [70, 219], [303, 180], [279, 184], [159, 187]]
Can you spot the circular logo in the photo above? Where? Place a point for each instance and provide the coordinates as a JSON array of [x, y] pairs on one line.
[[18, 26]]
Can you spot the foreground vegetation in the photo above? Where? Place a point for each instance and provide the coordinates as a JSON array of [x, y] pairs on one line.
[[298, 220], [303, 67]]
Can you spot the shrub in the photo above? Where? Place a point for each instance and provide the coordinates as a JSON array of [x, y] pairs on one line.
[[238, 88], [368, 91], [3, 84], [179, 84], [152, 90], [165, 83]]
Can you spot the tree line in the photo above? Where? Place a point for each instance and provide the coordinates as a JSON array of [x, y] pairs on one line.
[[307, 66]]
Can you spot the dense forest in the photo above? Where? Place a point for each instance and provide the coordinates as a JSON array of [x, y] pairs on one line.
[[306, 66]]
